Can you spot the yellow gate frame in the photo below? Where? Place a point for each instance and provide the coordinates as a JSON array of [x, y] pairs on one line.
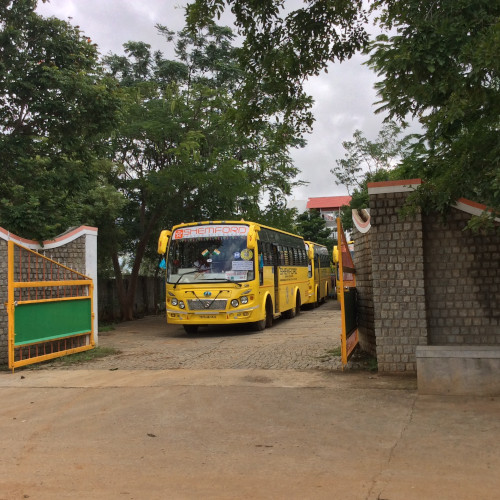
[[41, 326], [347, 277]]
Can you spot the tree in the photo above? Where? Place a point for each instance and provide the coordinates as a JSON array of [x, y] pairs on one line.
[[366, 161], [283, 47], [366, 158], [312, 227], [179, 155], [56, 105], [441, 65]]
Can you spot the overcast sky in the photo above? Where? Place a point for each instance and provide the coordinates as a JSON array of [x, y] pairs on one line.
[[343, 97]]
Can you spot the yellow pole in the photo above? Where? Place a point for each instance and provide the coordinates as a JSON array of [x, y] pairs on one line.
[[343, 337], [10, 301]]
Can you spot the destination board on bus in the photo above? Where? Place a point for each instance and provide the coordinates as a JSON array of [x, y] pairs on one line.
[[210, 230]]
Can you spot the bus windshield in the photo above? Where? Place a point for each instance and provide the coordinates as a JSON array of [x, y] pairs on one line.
[[214, 259]]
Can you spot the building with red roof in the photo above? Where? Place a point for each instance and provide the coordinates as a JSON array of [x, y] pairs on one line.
[[329, 208]]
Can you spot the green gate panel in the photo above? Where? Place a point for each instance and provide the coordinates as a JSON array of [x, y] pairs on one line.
[[350, 310], [43, 321]]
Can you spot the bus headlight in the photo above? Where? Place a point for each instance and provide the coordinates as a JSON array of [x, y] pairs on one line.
[[235, 303], [182, 305], [174, 302], [244, 299]]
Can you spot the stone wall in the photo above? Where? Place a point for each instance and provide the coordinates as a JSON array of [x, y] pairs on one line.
[[75, 249], [398, 283], [71, 255], [462, 282], [433, 282]]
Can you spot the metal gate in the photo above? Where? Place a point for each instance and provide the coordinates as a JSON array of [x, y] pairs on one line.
[[347, 296], [50, 308]]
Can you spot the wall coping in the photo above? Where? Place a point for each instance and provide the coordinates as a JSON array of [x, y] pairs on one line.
[[406, 185], [471, 207], [62, 239], [401, 186]]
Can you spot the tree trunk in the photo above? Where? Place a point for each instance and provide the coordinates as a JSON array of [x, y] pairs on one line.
[[127, 297]]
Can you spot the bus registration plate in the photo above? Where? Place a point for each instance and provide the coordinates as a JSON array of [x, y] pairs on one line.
[[208, 316]]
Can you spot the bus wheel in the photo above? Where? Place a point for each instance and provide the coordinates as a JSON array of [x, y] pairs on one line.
[[316, 302], [191, 329], [298, 304], [258, 326], [267, 322], [269, 313]]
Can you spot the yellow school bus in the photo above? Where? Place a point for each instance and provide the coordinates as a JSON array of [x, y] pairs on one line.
[[318, 273], [229, 272]]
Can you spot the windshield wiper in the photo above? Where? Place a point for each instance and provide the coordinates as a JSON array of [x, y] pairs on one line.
[[184, 274], [224, 280]]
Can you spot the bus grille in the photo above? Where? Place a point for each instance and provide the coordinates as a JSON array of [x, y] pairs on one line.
[[206, 305]]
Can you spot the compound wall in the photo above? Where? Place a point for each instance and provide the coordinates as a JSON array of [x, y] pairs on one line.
[[424, 281]]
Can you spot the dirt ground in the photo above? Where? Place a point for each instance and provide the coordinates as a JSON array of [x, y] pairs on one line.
[[235, 414], [311, 340]]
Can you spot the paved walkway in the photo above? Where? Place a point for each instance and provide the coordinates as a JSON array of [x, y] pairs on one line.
[[257, 434], [237, 432]]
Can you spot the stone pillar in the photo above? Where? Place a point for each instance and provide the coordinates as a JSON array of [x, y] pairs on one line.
[[398, 277]]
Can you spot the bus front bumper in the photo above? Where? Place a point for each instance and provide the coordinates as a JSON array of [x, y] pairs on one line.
[[206, 317]]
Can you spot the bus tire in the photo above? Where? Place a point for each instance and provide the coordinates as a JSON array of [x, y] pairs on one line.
[[191, 329], [260, 325], [267, 322], [269, 313], [289, 314], [298, 304]]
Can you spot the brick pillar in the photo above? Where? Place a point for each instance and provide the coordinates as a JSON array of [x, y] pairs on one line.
[[398, 277]]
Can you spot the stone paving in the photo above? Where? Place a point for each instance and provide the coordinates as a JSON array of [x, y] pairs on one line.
[[311, 340]]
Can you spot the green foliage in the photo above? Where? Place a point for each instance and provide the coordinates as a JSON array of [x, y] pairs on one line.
[[56, 107], [366, 161], [284, 47], [438, 63], [441, 65], [178, 153], [365, 158], [312, 227]]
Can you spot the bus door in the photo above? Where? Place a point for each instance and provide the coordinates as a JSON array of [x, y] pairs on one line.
[[276, 278]]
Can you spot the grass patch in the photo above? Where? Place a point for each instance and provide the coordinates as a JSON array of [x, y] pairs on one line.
[[81, 357], [364, 361], [331, 353], [106, 327], [360, 359]]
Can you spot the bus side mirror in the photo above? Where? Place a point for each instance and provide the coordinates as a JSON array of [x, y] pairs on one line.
[[163, 241], [310, 252], [252, 238]]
